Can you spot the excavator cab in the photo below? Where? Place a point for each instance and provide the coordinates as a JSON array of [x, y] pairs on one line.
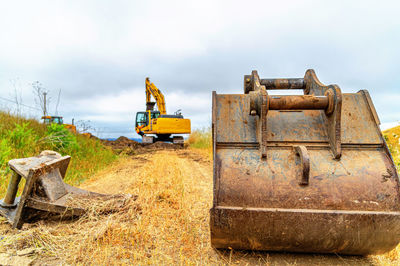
[[143, 120], [50, 119], [53, 120]]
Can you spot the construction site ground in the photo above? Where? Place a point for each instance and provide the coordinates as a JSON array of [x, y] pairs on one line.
[[165, 220]]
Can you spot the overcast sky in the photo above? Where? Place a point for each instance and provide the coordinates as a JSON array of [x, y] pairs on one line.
[[99, 53]]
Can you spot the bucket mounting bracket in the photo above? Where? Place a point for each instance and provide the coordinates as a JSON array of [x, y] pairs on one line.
[[316, 96]]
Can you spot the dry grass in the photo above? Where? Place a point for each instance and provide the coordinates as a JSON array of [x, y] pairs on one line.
[[171, 229], [166, 224], [392, 137], [390, 258], [200, 139]]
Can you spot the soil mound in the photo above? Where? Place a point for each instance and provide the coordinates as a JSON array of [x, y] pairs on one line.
[[131, 147]]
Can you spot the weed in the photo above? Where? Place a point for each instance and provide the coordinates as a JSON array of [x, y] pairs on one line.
[[5, 151], [21, 137], [60, 138], [200, 139]]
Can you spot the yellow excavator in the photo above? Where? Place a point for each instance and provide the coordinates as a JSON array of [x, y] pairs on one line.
[[157, 125], [49, 119]]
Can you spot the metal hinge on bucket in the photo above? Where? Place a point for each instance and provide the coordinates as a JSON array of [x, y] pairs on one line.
[[316, 97]]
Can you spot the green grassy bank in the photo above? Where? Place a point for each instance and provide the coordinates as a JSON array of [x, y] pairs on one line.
[[21, 137]]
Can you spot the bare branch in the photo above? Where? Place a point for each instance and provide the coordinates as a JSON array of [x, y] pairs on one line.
[[17, 94], [38, 92], [58, 101], [84, 126]]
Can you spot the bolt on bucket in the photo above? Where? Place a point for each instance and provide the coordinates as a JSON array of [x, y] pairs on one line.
[[302, 173], [44, 194]]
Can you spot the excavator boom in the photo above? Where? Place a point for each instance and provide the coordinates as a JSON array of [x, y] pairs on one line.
[[151, 89]]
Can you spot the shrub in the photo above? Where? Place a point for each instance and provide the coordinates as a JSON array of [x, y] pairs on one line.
[[60, 139], [200, 138], [5, 151], [21, 137]]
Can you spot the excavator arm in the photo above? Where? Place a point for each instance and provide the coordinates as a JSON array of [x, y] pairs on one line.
[[151, 89]]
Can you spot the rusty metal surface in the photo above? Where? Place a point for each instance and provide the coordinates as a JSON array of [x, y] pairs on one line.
[[301, 126], [296, 102], [359, 181], [326, 182], [12, 190], [283, 84], [312, 231], [302, 152], [359, 125], [44, 192]]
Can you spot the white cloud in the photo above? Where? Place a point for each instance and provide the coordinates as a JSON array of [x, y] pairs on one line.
[[99, 52]]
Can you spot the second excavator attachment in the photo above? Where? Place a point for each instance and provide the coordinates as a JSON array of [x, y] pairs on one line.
[[44, 194], [302, 173]]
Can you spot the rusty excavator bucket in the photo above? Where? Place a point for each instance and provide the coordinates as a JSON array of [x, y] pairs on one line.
[[44, 194], [302, 173]]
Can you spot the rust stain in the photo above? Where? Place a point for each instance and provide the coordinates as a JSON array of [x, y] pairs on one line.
[[347, 200]]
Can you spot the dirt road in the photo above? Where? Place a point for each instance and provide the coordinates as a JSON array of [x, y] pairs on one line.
[[175, 192], [166, 224]]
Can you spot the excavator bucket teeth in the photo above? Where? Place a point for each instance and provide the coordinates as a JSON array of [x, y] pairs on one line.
[[302, 173], [44, 194]]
